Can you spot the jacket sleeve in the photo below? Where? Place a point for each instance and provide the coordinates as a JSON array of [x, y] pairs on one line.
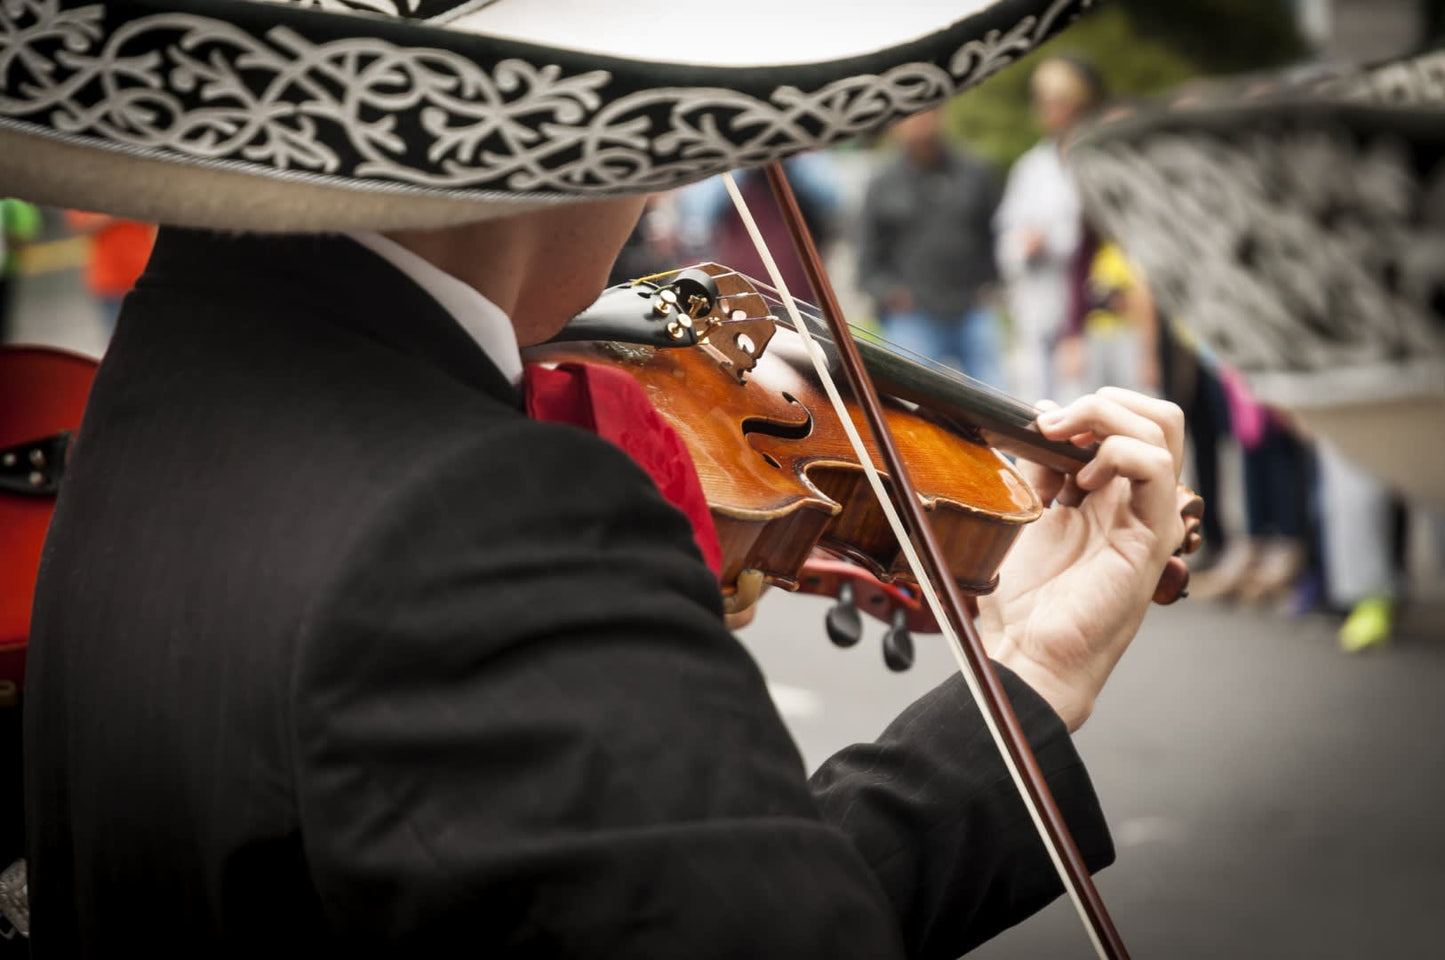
[[521, 728], [932, 809]]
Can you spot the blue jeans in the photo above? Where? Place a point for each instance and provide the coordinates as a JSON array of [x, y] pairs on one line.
[[969, 343]]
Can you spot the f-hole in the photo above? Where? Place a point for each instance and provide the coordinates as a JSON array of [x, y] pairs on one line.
[[783, 431]]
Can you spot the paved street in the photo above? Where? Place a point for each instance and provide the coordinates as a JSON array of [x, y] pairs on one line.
[[1269, 796]]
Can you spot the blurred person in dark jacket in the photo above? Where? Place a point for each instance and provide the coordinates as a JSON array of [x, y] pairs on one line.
[[925, 250]]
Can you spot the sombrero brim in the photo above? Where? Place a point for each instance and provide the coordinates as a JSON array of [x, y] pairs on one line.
[[1299, 229], [1301, 234], [241, 114]]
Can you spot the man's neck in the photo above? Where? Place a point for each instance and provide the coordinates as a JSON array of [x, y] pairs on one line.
[[487, 259], [541, 267], [486, 323]]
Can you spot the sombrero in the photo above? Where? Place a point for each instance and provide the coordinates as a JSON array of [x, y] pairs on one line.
[[347, 114], [1298, 226]]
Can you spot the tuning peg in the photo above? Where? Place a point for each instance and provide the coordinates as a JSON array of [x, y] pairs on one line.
[[898, 643], [845, 626]]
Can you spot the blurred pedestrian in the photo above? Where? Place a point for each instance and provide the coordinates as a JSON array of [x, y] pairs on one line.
[[1265, 564], [119, 250], [1112, 342], [925, 250], [1187, 377], [1358, 526], [1039, 224], [19, 224]]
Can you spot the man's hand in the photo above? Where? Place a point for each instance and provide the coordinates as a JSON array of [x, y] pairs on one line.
[[1076, 586]]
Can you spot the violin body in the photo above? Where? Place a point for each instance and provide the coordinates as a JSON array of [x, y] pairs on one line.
[[779, 473]]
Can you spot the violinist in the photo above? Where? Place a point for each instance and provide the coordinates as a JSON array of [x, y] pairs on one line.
[[335, 647]]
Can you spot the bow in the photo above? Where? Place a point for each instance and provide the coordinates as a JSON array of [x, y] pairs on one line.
[[915, 535]]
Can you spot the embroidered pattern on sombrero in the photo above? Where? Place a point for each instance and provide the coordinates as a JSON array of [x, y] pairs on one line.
[[370, 113], [399, 8], [437, 11], [1418, 80], [1289, 248]]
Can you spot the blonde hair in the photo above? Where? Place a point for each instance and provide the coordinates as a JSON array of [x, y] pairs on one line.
[[1062, 79]]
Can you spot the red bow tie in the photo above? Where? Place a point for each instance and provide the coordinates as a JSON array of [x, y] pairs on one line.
[[615, 407]]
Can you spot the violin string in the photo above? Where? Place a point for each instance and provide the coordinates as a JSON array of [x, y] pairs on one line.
[[770, 295], [905, 543], [928, 363]]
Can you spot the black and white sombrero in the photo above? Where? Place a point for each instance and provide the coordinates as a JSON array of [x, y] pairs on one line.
[[342, 114], [1299, 228]]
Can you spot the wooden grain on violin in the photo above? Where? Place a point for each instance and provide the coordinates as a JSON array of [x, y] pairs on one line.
[[781, 477]]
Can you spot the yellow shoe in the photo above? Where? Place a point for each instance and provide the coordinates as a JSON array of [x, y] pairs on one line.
[[1368, 625]]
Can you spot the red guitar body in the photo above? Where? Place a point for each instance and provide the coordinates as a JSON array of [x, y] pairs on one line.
[[42, 398]]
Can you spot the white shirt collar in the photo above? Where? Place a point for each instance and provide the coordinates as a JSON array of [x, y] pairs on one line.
[[483, 320]]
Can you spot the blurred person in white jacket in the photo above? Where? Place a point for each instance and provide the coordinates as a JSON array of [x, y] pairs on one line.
[[1039, 223]]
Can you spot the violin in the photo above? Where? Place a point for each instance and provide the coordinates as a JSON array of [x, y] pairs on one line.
[[784, 486]]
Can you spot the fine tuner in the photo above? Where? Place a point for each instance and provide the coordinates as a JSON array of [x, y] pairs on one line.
[[679, 309]]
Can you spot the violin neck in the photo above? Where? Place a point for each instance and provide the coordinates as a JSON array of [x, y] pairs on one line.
[[1001, 420]]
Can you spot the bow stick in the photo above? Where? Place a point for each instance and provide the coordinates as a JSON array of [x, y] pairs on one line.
[[920, 547]]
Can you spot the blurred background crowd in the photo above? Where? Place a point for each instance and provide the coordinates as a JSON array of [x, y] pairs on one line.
[[959, 236]]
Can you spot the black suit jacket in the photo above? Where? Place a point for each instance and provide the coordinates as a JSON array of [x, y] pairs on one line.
[[334, 646]]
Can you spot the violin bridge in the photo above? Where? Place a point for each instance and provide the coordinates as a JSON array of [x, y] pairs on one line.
[[741, 343]]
